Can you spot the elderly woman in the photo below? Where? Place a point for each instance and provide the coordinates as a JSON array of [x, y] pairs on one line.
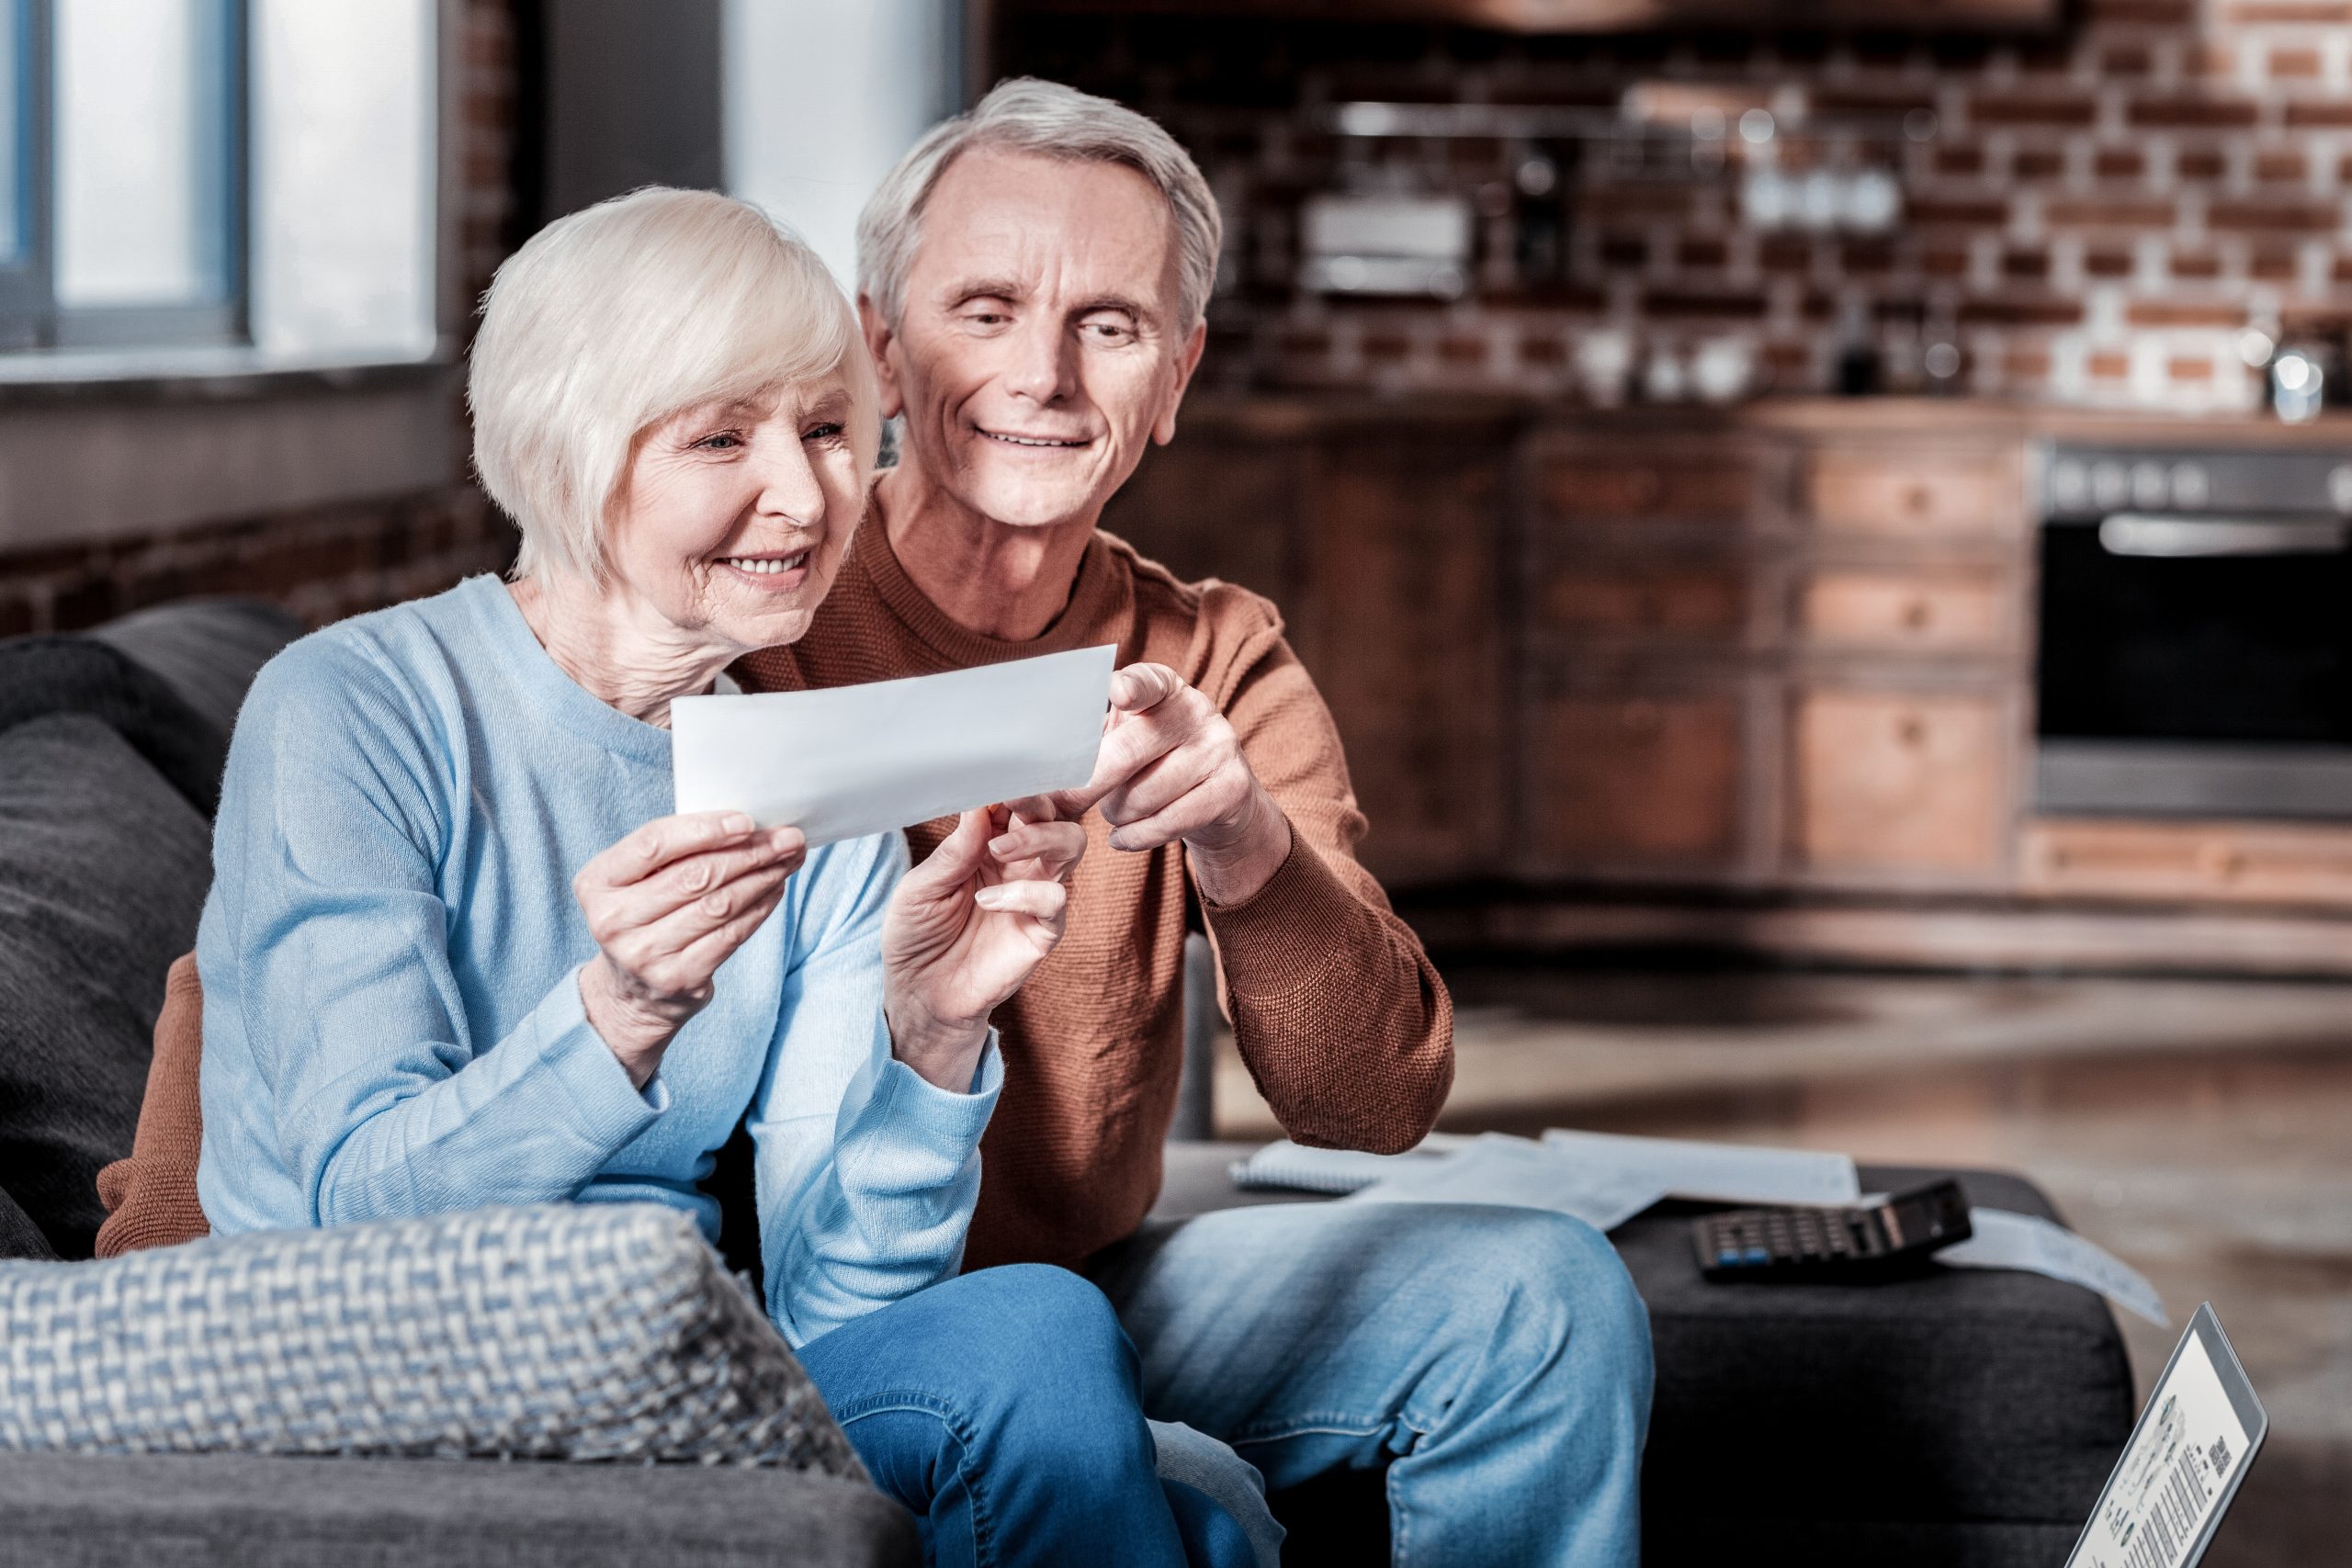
[[459, 951]]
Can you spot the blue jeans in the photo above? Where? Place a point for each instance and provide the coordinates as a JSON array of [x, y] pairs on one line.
[[1500, 1357], [1002, 1409]]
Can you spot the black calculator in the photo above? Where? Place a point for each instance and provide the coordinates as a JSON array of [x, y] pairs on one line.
[[1869, 1241]]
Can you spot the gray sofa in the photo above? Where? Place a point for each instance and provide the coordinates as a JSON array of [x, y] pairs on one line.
[[111, 755], [1964, 1418]]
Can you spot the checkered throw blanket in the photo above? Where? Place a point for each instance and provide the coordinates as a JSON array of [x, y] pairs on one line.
[[583, 1331]]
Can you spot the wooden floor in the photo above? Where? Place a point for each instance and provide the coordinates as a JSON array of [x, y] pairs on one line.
[[2202, 1130]]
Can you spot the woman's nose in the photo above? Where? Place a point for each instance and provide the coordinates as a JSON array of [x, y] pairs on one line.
[[789, 487]]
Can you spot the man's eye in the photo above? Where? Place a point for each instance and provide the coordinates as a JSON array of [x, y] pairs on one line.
[[1111, 332]]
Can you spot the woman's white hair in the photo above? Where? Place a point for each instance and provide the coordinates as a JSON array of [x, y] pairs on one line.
[[1045, 119], [614, 319]]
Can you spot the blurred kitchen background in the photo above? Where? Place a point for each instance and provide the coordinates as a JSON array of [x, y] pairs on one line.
[[1824, 525]]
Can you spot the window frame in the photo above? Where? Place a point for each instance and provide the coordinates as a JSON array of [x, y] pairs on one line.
[[31, 319]]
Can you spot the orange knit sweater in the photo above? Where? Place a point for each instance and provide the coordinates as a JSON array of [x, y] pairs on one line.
[[1343, 1023]]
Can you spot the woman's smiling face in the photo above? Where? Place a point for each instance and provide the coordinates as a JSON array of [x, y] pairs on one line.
[[731, 518]]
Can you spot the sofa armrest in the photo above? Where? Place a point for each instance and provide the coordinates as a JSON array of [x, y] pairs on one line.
[[274, 1512]]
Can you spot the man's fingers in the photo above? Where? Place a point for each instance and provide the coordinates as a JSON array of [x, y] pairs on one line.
[[1142, 686], [1182, 820], [1159, 785], [665, 838]]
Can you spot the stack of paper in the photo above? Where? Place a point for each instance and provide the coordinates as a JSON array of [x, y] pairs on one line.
[[1605, 1179]]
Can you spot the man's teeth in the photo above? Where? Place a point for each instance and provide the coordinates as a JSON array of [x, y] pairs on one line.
[[766, 566], [1027, 441]]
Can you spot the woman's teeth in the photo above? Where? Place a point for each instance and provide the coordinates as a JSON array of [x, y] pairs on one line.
[[765, 565]]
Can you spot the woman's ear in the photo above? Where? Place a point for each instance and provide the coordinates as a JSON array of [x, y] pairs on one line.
[[880, 340]]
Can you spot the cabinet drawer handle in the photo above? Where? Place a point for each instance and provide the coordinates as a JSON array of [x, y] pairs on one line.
[[2223, 862]]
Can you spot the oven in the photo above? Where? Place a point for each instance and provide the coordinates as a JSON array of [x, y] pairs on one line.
[[2196, 652]]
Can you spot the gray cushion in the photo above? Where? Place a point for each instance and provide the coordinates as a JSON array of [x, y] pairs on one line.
[[1965, 1417], [103, 870], [205, 649], [242, 1511], [564, 1331], [19, 1237]]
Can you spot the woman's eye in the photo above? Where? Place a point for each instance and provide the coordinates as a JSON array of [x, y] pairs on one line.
[[721, 441], [822, 432]]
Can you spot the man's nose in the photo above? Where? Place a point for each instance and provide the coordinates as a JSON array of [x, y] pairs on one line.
[[1044, 367]]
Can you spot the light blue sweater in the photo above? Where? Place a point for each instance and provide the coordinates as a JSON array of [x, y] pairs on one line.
[[390, 952]]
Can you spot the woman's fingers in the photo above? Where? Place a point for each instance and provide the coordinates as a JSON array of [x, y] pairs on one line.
[[680, 883], [1039, 900], [713, 948], [1039, 849], [639, 854], [654, 953], [956, 858]]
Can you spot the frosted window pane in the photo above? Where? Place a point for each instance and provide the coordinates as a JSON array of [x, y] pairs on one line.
[[136, 151]]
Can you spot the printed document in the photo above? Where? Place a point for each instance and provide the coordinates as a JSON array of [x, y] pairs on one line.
[[851, 760], [2182, 1465]]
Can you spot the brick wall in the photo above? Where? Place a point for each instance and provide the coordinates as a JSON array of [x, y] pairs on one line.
[[2095, 217], [332, 561]]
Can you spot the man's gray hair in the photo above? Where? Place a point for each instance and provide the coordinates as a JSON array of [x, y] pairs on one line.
[[1045, 119]]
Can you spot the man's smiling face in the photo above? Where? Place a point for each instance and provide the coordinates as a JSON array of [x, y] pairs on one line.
[[1039, 349]]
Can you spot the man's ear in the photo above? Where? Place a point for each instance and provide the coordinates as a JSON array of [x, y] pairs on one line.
[[879, 339], [1163, 429]]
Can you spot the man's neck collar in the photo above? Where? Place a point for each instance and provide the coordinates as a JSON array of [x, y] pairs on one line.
[[992, 578]]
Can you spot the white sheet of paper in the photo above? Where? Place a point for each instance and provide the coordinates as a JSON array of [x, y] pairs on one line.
[[1730, 1173], [851, 760], [2000, 1239], [1519, 1173], [1300, 1168]]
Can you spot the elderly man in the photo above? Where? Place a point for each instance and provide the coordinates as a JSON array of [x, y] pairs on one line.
[[1032, 281], [1033, 278]]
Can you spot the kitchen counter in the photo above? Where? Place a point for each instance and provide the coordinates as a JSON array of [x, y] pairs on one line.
[[1275, 415]]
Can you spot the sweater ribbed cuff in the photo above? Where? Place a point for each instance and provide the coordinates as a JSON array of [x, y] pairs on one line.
[[607, 1109], [1267, 940]]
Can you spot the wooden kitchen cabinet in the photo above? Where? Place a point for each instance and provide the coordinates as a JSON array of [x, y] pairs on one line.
[[1228, 510], [1901, 783], [1644, 785], [1577, 484], [1403, 577], [1910, 612], [2260, 862], [1673, 602], [1912, 494]]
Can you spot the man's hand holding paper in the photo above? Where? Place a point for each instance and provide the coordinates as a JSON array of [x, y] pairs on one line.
[[1171, 767]]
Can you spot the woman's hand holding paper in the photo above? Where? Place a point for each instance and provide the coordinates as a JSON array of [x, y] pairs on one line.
[[668, 905], [965, 928]]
